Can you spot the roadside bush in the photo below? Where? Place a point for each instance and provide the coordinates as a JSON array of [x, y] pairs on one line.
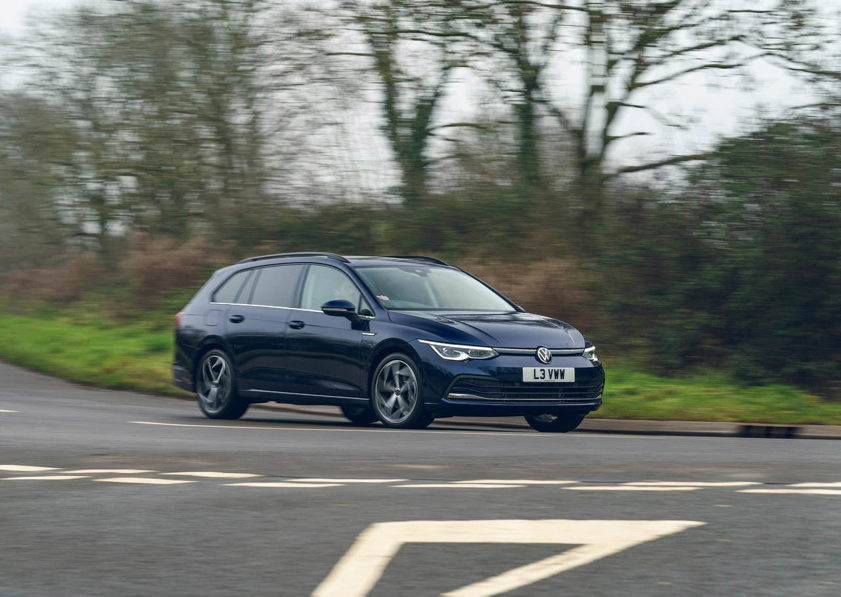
[[154, 267], [62, 283], [743, 270]]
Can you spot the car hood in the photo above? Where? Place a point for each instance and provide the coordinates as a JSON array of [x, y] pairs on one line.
[[501, 330]]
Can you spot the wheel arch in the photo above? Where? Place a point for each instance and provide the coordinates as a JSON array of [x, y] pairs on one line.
[[206, 345], [385, 348]]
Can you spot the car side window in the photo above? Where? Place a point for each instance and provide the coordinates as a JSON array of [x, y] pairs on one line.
[[232, 288], [324, 284], [276, 286]]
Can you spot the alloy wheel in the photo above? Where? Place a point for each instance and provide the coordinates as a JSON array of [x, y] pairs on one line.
[[214, 383], [396, 391]]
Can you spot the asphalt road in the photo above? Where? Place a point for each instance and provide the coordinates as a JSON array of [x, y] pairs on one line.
[[113, 493]]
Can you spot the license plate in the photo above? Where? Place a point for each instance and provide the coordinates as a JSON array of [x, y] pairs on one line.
[[549, 374]]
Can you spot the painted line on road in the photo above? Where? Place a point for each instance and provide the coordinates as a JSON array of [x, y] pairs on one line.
[[212, 475], [358, 571], [457, 486], [21, 468], [144, 481], [629, 488], [283, 484], [476, 433], [692, 483], [111, 471], [794, 491], [516, 482], [3, 410], [349, 481], [281, 427], [818, 485], [46, 478]]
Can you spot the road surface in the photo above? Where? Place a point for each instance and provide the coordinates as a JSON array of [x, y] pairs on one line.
[[114, 493]]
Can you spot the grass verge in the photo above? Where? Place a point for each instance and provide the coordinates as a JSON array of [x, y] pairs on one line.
[[101, 352]]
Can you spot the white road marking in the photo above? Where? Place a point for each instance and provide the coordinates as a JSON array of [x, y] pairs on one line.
[[3, 410], [629, 488], [144, 481], [361, 567], [518, 482], [457, 486], [692, 483], [45, 478], [795, 491], [20, 468], [284, 484], [349, 481], [340, 430], [477, 433], [815, 485], [212, 475], [111, 471]]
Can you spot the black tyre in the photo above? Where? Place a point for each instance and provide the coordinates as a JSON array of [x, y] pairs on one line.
[[359, 415], [216, 387], [396, 393], [554, 422]]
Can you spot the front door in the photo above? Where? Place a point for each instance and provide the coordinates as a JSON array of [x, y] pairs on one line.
[[324, 352]]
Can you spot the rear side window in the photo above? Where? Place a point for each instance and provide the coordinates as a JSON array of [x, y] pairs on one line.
[[276, 286], [231, 290]]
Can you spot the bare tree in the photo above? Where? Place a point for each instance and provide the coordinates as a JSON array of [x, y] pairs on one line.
[[626, 52], [414, 49]]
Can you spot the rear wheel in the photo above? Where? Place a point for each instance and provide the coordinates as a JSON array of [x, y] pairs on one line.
[[359, 415], [554, 422], [216, 387], [396, 394]]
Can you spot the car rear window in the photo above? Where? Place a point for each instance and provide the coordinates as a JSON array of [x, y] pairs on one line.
[[229, 291]]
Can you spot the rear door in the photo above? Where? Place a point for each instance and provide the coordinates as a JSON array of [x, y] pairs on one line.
[[256, 327]]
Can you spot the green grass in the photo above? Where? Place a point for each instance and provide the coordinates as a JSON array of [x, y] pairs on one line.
[[100, 353], [80, 345], [708, 396]]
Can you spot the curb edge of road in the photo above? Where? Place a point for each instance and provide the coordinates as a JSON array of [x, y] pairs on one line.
[[622, 426]]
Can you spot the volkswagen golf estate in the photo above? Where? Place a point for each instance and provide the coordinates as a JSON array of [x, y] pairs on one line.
[[399, 339]]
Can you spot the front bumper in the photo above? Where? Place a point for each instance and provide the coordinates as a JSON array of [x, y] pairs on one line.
[[495, 387]]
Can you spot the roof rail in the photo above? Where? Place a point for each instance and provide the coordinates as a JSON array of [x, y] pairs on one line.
[[419, 258], [302, 254]]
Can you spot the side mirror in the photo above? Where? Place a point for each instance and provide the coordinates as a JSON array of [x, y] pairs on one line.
[[340, 308]]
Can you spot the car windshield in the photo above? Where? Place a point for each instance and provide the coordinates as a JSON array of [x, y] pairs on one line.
[[430, 288]]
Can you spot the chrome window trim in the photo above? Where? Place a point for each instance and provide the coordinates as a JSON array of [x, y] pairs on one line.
[[265, 306], [276, 307]]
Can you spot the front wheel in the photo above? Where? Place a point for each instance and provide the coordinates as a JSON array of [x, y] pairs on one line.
[[554, 423], [396, 394], [216, 387]]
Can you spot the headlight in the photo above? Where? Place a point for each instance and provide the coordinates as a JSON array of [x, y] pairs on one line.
[[457, 352], [590, 353]]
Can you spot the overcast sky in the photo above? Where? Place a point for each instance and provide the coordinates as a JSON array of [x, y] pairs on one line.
[[12, 11], [715, 106]]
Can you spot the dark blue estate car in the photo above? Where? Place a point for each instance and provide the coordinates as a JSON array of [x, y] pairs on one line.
[[401, 339]]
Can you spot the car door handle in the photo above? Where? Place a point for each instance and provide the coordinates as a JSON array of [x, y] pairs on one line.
[[236, 318], [296, 324]]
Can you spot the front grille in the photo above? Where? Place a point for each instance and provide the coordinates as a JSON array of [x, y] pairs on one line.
[[484, 390]]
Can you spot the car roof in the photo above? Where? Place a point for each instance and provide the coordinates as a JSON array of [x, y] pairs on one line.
[[357, 260]]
